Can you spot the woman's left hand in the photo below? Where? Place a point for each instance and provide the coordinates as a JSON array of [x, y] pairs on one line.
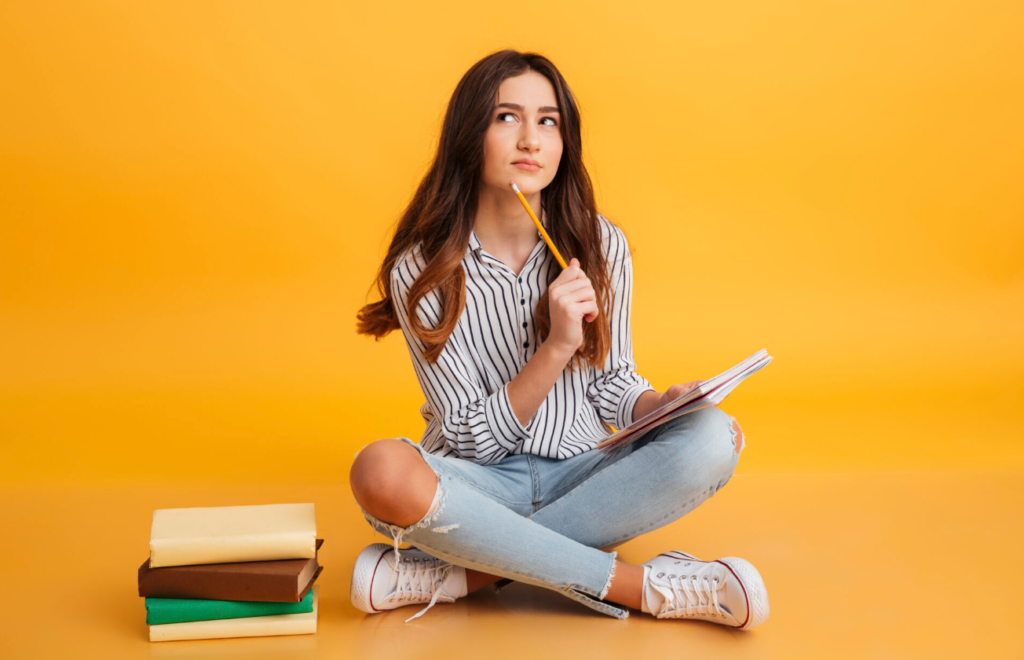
[[648, 403], [676, 391]]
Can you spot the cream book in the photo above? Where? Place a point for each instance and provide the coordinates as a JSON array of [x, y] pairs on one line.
[[251, 626], [223, 534]]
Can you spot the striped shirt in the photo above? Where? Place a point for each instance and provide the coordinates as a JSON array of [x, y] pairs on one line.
[[467, 408]]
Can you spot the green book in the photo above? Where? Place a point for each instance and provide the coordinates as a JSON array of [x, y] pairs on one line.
[[179, 610]]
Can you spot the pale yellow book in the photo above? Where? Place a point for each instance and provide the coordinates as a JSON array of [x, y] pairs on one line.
[[303, 623], [223, 534]]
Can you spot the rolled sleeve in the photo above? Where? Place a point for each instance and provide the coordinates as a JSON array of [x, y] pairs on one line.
[[500, 415], [624, 414]]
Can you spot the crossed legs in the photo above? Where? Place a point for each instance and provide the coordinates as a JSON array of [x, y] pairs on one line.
[[688, 460]]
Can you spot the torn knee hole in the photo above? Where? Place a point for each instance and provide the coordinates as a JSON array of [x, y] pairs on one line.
[[433, 513], [737, 435]]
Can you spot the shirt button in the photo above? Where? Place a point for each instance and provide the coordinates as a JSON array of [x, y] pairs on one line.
[[526, 344], [524, 324], [522, 300], [520, 280]]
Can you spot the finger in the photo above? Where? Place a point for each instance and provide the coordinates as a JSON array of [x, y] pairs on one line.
[[570, 302], [574, 264], [573, 286], [569, 274], [583, 300], [583, 295], [582, 309], [564, 295]]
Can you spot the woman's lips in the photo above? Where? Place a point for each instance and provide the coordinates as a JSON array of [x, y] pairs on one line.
[[529, 167]]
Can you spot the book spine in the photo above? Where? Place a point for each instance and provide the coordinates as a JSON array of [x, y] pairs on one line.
[[179, 610], [230, 549], [183, 583]]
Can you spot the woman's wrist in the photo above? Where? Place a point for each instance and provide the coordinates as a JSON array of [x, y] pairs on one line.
[[647, 403], [557, 351]]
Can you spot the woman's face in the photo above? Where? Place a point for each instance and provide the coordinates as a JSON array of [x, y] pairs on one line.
[[524, 127]]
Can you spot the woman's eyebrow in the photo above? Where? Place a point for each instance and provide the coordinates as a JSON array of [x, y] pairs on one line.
[[516, 106]]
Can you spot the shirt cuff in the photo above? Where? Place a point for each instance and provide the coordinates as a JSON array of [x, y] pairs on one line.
[[624, 415], [502, 420]]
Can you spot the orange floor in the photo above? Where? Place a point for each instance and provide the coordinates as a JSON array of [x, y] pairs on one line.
[[880, 565]]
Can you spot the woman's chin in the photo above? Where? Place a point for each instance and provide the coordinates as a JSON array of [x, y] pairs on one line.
[[527, 184]]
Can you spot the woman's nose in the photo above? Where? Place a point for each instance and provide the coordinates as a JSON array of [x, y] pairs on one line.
[[530, 136]]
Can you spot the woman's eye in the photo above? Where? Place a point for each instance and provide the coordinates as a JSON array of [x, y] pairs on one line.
[[553, 121]]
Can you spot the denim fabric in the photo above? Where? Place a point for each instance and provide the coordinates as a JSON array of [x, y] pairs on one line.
[[552, 522]]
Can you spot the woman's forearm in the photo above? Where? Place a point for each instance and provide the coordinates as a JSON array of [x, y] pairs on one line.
[[530, 386], [647, 403]]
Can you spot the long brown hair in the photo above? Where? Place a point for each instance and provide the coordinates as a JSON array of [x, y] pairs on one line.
[[440, 215]]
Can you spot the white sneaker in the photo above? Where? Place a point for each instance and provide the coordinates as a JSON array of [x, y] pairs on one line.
[[380, 581], [728, 591]]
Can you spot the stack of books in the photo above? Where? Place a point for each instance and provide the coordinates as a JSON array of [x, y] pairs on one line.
[[232, 571]]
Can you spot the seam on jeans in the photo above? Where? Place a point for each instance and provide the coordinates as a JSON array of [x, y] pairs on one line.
[[581, 596], [454, 475], [535, 483], [611, 574], [646, 528]]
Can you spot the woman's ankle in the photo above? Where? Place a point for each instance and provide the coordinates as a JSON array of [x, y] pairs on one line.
[[627, 585], [477, 580]]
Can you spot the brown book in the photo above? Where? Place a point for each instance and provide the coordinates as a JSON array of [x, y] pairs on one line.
[[281, 581]]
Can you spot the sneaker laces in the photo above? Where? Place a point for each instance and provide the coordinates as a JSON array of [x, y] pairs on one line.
[[419, 578], [687, 596]]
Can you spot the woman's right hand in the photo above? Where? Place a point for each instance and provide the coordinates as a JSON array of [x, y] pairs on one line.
[[570, 298]]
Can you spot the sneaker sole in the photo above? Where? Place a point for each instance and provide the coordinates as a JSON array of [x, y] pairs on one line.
[[362, 576], [753, 586]]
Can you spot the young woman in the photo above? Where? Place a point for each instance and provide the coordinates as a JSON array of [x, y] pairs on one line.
[[525, 367]]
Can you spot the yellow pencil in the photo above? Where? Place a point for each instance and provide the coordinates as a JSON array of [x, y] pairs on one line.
[[540, 227]]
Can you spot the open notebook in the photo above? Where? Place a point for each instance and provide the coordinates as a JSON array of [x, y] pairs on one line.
[[708, 393]]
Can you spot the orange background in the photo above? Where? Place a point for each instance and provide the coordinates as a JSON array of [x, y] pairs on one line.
[[195, 198]]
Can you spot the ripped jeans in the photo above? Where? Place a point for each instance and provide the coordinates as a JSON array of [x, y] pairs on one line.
[[552, 522]]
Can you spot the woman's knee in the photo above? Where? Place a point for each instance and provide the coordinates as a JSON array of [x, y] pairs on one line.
[[719, 441], [726, 440], [392, 482]]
